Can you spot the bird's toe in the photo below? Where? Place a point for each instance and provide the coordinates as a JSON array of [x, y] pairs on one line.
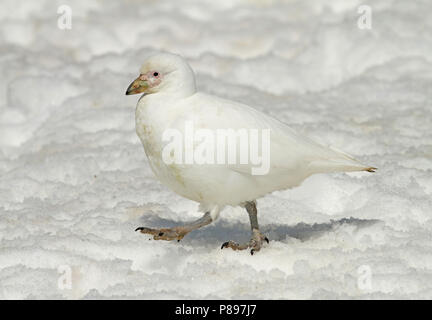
[[230, 244], [255, 244], [163, 234]]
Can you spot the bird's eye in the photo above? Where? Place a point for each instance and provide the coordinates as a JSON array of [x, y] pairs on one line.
[[155, 74]]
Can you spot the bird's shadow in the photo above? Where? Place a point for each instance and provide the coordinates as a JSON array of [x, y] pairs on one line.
[[223, 230]]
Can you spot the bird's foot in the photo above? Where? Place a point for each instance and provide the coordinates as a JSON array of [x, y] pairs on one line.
[[176, 233], [255, 242]]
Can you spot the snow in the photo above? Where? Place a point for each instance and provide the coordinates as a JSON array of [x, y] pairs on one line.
[[75, 183]]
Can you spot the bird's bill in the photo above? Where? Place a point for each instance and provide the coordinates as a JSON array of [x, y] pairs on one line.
[[139, 85]]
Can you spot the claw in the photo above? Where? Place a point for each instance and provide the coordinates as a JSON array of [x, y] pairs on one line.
[[252, 252], [164, 234], [144, 229], [267, 240], [224, 245]]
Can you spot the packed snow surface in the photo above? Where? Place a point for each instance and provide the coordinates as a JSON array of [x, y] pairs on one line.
[[75, 182]]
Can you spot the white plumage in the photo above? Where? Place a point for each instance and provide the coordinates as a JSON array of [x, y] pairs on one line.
[[172, 100]]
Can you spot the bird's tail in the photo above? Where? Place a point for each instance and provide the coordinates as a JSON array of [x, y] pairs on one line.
[[328, 166], [338, 161]]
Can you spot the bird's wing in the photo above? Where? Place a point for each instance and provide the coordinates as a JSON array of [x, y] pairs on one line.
[[289, 151]]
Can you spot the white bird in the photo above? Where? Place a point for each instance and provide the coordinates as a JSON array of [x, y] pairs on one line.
[[170, 103]]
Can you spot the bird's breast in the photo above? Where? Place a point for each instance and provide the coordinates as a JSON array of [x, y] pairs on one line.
[[150, 125]]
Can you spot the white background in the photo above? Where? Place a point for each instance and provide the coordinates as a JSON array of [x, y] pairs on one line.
[[75, 183]]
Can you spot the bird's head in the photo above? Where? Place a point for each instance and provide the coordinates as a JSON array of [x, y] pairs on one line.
[[166, 73]]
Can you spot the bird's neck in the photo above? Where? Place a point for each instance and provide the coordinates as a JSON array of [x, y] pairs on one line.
[[159, 107]]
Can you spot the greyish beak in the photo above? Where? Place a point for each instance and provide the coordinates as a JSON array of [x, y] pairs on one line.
[[139, 85]]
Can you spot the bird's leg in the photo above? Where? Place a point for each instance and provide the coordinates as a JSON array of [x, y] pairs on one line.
[[257, 238], [177, 233]]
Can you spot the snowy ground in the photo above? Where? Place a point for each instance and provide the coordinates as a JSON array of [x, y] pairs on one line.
[[74, 180]]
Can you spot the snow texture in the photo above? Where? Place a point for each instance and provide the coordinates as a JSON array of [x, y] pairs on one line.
[[75, 182]]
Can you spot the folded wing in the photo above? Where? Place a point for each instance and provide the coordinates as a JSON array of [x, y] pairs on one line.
[[290, 153]]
